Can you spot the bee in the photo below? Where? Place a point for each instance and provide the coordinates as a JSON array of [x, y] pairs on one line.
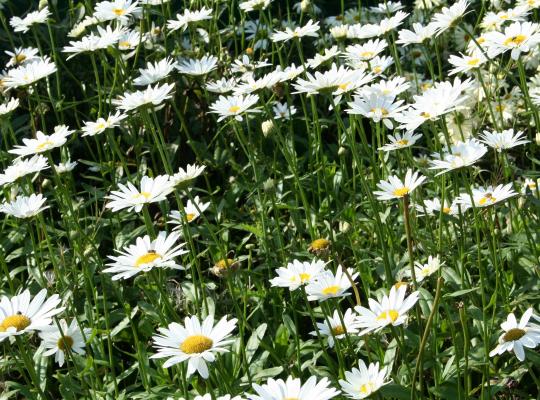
[[151, 251]]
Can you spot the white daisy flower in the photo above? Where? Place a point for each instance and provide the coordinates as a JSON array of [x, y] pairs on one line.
[[336, 80], [191, 66], [43, 142], [334, 328], [130, 41], [69, 338], [21, 55], [395, 188], [253, 5], [363, 381], [9, 106], [150, 96], [24, 206], [449, 16], [21, 167], [400, 141], [29, 73], [460, 154], [433, 207], [234, 106], [517, 336], [376, 108], [503, 140], [20, 314], [485, 197], [418, 35], [422, 271], [32, 18], [223, 85], [194, 342], [392, 310], [466, 63], [387, 7], [101, 125], [283, 110], [310, 29], [183, 20], [298, 273], [106, 37], [520, 37], [327, 285], [151, 190], [390, 88], [154, 72], [192, 211], [191, 172], [145, 255], [366, 51], [64, 167], [321, 58], [120, 10], [293, 388]]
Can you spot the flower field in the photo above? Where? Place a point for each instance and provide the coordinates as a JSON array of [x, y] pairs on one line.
[[269, 199]]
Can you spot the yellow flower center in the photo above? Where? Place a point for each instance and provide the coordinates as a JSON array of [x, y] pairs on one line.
[[344, 86], [320, 244], [234, 109], [390, 314], [65, 342], [426, 115], [123, 43], [330, 290], [119, 11], [19, 58], [399, 284], [487, 197], [513, 334], [366, 388], [224, 263], [367, 54], [147, 258], [190, 217], [403, 142], [146, 195], [446, 210], [401, 192], [515, 40], [338, 330], [426, 271], [503, 16], [196, 344], [101, 126], [17, 321], [481, 40], [383, 111], [304, 277], [377, 70], [473, 62], [44, 145]]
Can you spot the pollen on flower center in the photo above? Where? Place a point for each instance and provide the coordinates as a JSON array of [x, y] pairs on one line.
[[366, 388], [44, 145], [515, 40], [487, 197], [513, 334], [196, 344], [344, 86], [17, 321], [147, 258], [473, 62], [401, 192], [446, 210], [338, 330], [234, 109], [426, 271], [426, 115], [385, 315], [146, 195], [330, 290], [190, 217], [19, 58], [119, 11], [403, 142], [304, 277], [65, 342], [366, 54]]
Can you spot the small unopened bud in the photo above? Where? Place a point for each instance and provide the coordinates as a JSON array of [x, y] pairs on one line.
[[344, 226], [342, 151], [46, 183], [339, 32], [304, 5], [269, 185], [267, 127], [537, 139]]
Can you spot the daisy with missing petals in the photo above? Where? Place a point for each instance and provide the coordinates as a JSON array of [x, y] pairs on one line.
[[186, 175], [327, 285], [192, 210], [422, 271], [310, 29], [120, 10], [234, 106], [376, 108], [195, 67], [102, 124], [20, 314], [145, 255], [154, 72], [43, 142], [293, 389], [503, 140], [70, 338], [517, 336], [337, 329], [150, 96], [485, 197], [29, 73], [460, 154], [151, 190], [32, 18], [20, 168], [394, 188], [24, 206], [363, 381], [400, 141], [392, 310], [298, 273], [194, 342]]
